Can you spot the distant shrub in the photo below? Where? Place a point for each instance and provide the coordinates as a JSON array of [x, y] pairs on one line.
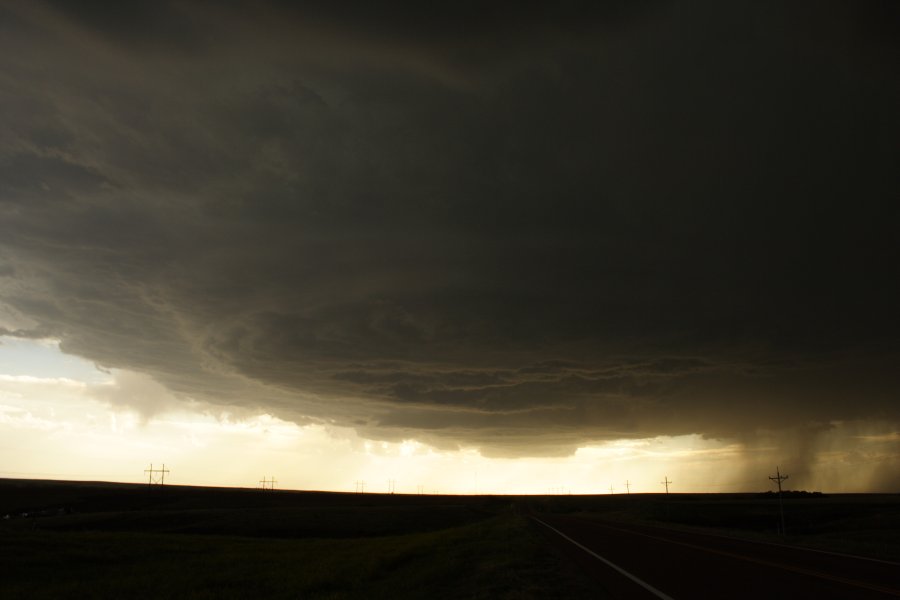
[[793, 494]]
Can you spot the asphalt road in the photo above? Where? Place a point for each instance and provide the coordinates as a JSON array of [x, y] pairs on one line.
[[664, 563]]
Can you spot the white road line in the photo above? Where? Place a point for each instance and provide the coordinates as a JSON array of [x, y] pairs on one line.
[[640, 582]]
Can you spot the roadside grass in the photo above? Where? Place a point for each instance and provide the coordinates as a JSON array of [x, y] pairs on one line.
[[497, 557], [863, 525]]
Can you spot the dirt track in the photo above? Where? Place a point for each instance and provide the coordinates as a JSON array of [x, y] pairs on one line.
[[685, 565]]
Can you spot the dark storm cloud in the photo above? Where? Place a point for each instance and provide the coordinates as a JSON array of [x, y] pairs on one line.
[[518, 229]]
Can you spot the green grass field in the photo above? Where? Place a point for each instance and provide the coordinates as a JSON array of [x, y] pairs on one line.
[[282, 545], [498, 557], [94, 540]]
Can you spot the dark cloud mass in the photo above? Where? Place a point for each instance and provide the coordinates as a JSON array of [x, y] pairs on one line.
[[515, 229]]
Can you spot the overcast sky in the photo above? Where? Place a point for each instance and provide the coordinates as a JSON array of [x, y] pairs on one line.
[[518, 232]]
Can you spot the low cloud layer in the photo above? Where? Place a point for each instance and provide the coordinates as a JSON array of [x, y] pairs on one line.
[[518, 231]]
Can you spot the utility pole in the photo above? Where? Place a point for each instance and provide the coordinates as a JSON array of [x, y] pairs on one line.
[[666, 481], [627, 487], [611, 490], [360, 486], [420, 489], [391, 483], [160, 474], [268, 484], [778, 479]]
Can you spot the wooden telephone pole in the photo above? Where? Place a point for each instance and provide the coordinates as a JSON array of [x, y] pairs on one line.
[[778, 479], [156, 476]]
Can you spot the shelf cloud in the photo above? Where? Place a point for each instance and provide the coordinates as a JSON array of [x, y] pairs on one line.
[[522, 231]]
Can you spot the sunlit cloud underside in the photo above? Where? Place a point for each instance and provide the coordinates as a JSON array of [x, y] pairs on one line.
[[80, 426]]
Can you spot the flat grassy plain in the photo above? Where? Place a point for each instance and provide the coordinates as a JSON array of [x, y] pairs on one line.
[[103, 540], [114, 541]]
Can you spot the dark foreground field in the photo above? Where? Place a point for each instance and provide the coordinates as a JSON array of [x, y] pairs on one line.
[[84, 540], [114, 541]]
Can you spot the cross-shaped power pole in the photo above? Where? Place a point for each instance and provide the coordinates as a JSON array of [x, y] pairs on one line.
[[611, 492], [268, 484], [627, 487], [151, 472], [666, 481], [778, 479]]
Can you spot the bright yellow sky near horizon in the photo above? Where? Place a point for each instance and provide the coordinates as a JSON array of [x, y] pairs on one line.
[[57, 422]]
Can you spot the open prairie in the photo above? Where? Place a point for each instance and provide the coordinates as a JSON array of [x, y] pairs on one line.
[[104, 540], [97, 540]]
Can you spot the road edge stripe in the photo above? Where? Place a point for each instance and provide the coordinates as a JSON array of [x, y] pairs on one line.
[[616, 567]]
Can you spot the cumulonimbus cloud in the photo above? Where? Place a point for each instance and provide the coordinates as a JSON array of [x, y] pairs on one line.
[[641, 223]]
